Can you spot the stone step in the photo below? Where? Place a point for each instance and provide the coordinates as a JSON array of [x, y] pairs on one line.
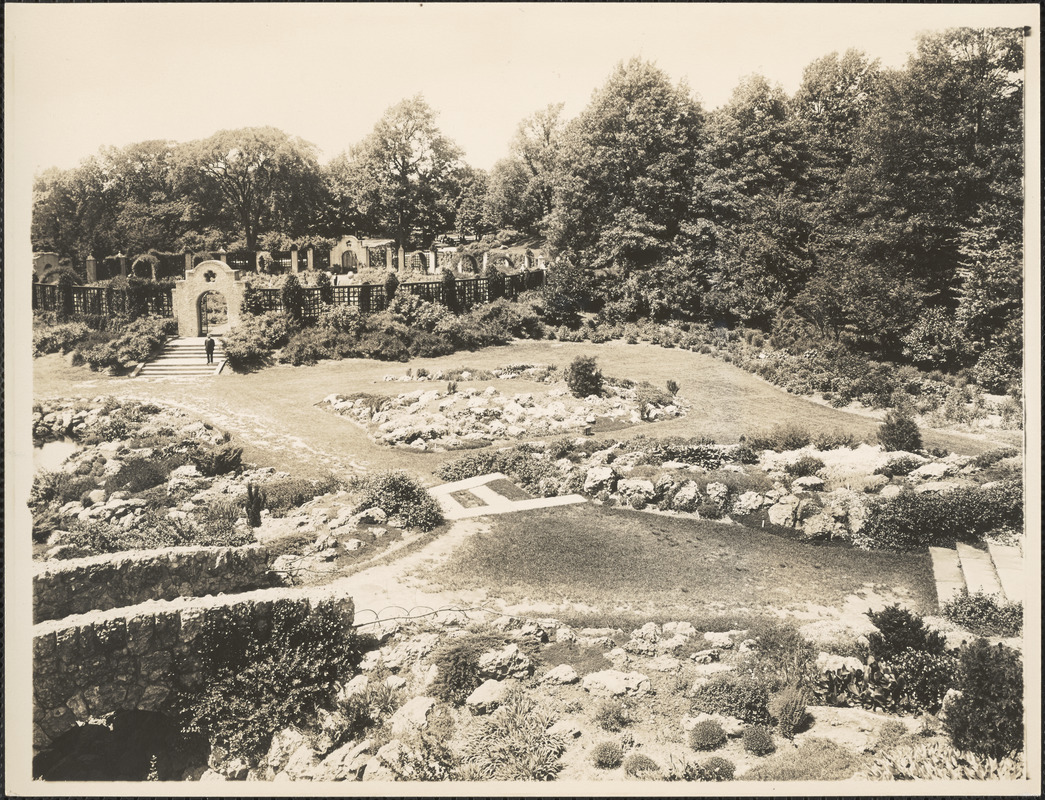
[[947, 572], [1008, 563], [978, 570]]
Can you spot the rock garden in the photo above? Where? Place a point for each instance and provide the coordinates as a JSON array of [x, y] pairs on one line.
[[453, 417]]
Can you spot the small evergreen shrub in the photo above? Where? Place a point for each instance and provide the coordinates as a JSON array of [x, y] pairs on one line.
[[924, 678], [992, 457], [900, 629], [640, 765], [218, 462], [984, 615], [733, 696], [673, 387], [899, 432], [398, 494], [254, 504], [898, 467], [607, 755], [583, 377], [987, 716], [804, 467], [612, 715], [758, 740], [707, 735], [457, 677], [716, 769], [789, 710]]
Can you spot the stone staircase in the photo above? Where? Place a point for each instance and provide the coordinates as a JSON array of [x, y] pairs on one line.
[[997, 570], [183, 357]]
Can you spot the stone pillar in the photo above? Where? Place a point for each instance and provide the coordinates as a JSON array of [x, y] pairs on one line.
[[310, 259], [123, 264], [486, 261], [92, 269], [366, 257], [402, 261], [188, 262], [223, 257], [435, 260], [294, 260], [388, 258]]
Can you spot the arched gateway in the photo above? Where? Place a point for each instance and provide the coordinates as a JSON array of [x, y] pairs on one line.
[[207, 279]]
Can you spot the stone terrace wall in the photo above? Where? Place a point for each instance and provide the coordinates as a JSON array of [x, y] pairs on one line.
[[132, 658], [61, 588]]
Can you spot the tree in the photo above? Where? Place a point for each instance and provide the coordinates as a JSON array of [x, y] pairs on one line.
[[623, 189], [405, 175], [522, 186], [258, 179], [469, 216]]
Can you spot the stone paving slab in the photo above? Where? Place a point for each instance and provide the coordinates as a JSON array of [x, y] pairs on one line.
[[1008, 562], [978, 570], [948, 573], [495, 503], [467, 483]]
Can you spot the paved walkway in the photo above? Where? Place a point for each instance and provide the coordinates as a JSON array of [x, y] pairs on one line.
[[492, 502]]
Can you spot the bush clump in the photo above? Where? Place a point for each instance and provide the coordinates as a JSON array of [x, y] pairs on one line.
[[733, 696], [707, 735], [789, 710], [399, 495], [804, 467], [458, 671], [612, 715], [984, 614], [758, 740], [900, 629], [583, 377], [899, 431], [987, 716], [924, 679], [640, 765], [256, 684], [218, 462], [815, 759], [607, 755], [716, 769]]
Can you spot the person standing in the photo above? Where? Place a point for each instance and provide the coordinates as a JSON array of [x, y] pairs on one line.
[[209, 347]]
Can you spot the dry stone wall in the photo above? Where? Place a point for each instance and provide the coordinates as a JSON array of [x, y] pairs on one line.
[[87, 665], [76, 586]]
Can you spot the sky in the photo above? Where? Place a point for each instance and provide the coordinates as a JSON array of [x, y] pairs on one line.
[[79, 77]]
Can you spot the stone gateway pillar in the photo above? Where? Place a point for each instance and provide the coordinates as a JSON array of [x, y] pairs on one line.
[[208, 276]]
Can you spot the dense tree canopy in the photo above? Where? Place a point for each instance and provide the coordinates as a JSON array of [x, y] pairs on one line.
[[882, 207]]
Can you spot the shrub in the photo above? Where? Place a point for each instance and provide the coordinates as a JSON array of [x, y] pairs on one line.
[[607, 755], [781, 655], [583, 377], [514, 743], [254, 504], [138, 474], [399, 495], [804, 467], [716, 769], [912, 520], [898, 467], [250, 344], [900, 629], [218, 462], [984, 615], [899, 432], [58, 338], [758, 740], [781, 438], [288, 493], [733, 696], [924, 678], [255, 685], [789, 709], [833, 440], [992, 457], [639, 765], [649, 397], [707, 735], [467, 467], [673, 387], [309, 346], [815, 759], [987, 716], [612, 715], [458, 671], [939, 761]]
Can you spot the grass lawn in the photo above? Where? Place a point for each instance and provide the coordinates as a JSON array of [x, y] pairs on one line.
[[656, 565], [272, 413]]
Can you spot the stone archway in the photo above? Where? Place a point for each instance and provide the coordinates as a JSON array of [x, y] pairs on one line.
[[209, 277], [212, 314]]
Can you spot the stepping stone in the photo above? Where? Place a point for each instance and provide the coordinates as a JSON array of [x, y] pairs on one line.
[[948, 573], [1008, 563], [978, 570]]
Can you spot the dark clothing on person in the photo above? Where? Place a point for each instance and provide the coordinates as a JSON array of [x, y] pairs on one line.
[[209, 346]]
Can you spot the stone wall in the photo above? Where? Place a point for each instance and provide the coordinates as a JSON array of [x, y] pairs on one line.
[[76, 586], [133, 658]]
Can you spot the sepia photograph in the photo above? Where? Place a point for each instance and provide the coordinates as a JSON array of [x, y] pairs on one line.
[[522, 399]]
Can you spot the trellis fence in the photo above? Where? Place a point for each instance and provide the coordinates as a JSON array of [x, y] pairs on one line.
[[102, 300]]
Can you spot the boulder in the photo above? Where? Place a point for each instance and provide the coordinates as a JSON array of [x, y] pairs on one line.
[[890, 491], [717, 492], [636, 489], [721, 640], [487, 697], [413, 716], [508, 662], [687, 498], [672, 645], [709, 656], [599, 478], [284, 744], [784, 513], [748, 502], [565, 728], [933, 471], [560, 675], [684, 629], [301, 764], [613, 683], [809, 483], [664, 663]]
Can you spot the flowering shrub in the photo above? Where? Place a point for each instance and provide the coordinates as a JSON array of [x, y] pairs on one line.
[[985, 615], [986, 716]]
